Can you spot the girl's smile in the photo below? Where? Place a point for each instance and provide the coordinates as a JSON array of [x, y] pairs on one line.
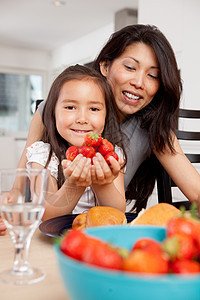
[[81, 131]]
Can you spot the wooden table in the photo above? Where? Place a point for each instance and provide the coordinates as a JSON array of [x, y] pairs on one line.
[[42, 256]]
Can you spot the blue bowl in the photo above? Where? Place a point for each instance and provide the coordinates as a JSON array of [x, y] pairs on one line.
[[84, 282]]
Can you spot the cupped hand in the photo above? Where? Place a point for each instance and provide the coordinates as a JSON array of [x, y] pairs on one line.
[[78, 171], [102, 173]]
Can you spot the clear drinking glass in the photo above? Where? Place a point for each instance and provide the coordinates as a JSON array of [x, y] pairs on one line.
[[22, 210]]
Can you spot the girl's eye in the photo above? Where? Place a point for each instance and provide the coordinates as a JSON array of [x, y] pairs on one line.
[[94, 109], [69, 107]]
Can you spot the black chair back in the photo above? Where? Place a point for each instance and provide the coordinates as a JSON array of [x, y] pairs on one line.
[[37, 103], [164, 182]]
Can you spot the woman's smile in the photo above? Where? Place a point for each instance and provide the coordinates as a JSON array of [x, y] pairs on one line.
[[131, 98]]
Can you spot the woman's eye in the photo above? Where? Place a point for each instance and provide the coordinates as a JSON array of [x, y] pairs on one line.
[[154, 76], [129, 67]]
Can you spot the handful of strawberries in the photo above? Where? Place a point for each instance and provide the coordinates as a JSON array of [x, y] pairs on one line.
[[93, 143], [178, 253]]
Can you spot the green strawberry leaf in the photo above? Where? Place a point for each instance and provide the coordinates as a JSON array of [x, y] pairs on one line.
[[171, 246]]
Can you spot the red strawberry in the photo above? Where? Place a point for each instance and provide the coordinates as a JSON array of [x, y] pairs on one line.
[[73, 243], [87, 151], [180, 246], [105, 147], [185, 266], [80, 246], [108, 155], [101, 254], [72, 152], [198, 244], [181, 225], [184, 225], [142, 261], [93, 139], [147, 244]]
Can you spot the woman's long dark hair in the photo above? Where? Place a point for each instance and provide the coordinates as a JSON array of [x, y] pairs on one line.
[[160, 117], [58, 145]]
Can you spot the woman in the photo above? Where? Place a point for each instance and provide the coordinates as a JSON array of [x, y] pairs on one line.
[[140, 66]]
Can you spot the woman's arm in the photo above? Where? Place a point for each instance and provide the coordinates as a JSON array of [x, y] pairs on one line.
[[34, 134], [182, 172]]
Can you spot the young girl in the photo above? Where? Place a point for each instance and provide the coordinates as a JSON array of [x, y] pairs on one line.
[[80, 101]]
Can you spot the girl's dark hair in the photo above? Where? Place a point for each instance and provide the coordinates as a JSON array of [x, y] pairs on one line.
[[58, 145], [160, 117]]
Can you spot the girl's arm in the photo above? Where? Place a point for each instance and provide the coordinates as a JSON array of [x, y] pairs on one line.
[[60, 201], [108, 183], [182, 172]]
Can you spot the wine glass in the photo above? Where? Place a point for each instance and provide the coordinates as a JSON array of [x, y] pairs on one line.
[[22, 210]]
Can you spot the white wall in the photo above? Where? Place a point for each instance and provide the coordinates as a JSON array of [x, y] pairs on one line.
[[26, 61], [83, 50], [24, 58]]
